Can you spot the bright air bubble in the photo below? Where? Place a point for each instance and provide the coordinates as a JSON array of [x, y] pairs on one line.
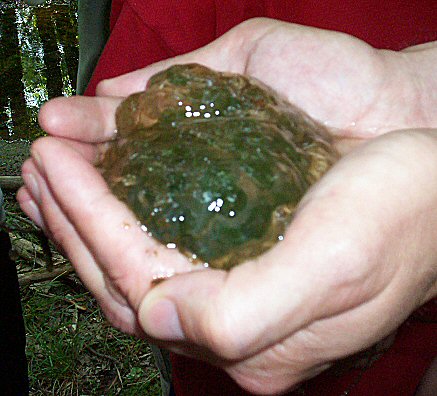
[[216, 205]]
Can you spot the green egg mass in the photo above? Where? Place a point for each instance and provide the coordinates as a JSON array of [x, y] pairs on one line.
[[214, 163]]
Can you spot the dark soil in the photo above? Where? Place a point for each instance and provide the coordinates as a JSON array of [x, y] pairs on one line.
[[12, 156]]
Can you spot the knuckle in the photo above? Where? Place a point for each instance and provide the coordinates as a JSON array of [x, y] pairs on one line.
[[345, 261], [263, 381], [102, 88], [224, 335], [57, 234]]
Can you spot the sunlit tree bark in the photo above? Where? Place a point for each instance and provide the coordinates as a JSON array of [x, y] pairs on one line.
[[66, 26]]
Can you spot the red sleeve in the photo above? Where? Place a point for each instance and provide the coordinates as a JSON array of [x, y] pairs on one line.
[[147, 31], [396, 373]]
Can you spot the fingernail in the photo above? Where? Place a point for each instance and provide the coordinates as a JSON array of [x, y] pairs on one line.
[[32, 210], [162, 320], [36, 217], [32, 186]]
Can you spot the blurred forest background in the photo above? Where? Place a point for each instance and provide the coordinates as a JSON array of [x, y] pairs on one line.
[[39, 58]]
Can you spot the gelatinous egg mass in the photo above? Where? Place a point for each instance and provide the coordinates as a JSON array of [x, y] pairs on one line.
[[214, 164]]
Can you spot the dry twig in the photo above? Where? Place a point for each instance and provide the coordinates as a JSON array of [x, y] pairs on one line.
[[42, 274], [11, 183]]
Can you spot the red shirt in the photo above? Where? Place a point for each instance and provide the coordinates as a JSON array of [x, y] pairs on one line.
[[147, 31]]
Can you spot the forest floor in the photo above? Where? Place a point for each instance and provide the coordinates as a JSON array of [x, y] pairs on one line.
[[12, 155], [71, 348]]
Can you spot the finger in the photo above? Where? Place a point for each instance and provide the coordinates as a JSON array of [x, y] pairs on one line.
[[28, 194], [63, 234], [228, 53], [346, 145], [137, 80], [128, 257], [80, 118], [28, 206], [226, 313], [89, 151]]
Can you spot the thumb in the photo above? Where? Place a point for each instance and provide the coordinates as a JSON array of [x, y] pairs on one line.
[[238, 313], [326, 264]]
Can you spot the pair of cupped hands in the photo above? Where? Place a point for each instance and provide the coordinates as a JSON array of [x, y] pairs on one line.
[[358, 258]]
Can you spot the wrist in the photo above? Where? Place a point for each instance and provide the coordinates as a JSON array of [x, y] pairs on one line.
[[420, 62], [408, 95]]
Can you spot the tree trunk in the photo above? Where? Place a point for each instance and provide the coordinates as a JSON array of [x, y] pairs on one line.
[[52, 57], [11, 74], [66, 26]]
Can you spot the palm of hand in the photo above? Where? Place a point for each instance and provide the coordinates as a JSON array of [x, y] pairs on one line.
[[322, 72]]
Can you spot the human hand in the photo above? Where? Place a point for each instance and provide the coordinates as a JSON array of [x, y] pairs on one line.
[[356, 90], [346, 274]]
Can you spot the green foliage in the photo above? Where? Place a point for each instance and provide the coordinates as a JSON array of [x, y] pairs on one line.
[[36, 74], [31, 59], [71, 349]]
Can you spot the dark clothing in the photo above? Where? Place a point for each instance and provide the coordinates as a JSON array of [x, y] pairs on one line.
[[13, 365], [93, 25]]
